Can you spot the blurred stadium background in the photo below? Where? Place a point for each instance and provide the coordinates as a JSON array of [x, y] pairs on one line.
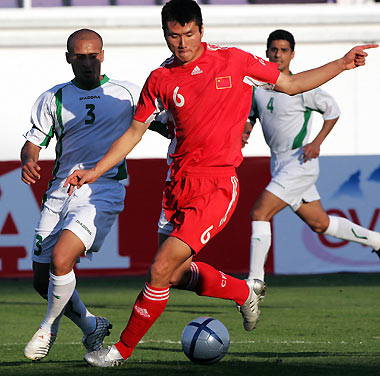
[[33, 37]]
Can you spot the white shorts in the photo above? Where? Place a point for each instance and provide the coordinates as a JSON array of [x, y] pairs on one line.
[[164, 226], [89, 213], [293, 180]]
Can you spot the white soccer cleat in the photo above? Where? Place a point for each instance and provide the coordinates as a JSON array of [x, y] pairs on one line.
[[40, 344], [250, 309], [94, 340], [109, 357]]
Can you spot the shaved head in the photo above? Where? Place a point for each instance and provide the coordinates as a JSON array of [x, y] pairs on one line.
[[82, 34], [85, 54]]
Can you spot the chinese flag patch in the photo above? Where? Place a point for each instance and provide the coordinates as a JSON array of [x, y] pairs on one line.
[[223, 82]]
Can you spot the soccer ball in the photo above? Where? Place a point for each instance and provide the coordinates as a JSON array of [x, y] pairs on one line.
[[205, 340]]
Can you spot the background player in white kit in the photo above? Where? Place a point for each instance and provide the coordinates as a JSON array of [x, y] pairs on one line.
[[286, 123], [79, 114]]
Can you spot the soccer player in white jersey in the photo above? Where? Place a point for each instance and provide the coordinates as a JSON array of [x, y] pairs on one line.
[[286, 122], [86, 115]]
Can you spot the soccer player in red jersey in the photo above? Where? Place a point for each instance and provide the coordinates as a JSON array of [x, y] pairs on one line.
[[206, 91]]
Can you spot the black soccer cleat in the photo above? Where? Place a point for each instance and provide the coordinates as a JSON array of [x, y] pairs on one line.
[[94, 340]]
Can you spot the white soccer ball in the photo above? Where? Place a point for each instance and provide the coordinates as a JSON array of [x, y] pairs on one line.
[[205, 340]]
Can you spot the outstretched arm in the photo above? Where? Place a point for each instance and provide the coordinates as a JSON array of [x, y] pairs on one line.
[[118, 150], [312, 149], [305, 81], [29, 166]]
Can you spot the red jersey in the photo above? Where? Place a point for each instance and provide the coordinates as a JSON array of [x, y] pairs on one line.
[[208, 101]]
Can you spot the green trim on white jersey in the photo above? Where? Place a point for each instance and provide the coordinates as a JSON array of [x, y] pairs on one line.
[[58, 149], [75, 82], [85, 123], [285, 119], [298, 140], [255, 110]]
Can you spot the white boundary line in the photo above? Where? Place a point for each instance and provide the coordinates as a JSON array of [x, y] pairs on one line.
[[168, 341]]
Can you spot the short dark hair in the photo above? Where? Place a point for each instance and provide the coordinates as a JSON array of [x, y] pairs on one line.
[[181, 11], [281, 35], [82, 34]]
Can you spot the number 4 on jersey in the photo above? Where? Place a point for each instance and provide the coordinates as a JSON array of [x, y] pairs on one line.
[[270, 105]]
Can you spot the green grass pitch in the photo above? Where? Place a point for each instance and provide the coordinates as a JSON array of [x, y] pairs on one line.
[[310, 325]]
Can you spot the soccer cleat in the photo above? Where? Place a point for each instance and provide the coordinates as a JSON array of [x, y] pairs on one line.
[[250, 309], [39, 346], [109, 357], [259, 282], [94, 340]]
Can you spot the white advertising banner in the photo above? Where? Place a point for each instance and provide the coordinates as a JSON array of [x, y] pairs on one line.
[[349, 187]]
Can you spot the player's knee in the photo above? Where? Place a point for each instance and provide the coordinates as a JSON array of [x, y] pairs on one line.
[[61, 265], [160, 273], [319, 227], [259, 215]]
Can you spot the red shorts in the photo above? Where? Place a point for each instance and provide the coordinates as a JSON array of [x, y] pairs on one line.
[[200, 202]]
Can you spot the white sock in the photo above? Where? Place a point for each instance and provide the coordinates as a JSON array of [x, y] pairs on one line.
[[260, 243], [60, 290], [342, 228], [77, 312]]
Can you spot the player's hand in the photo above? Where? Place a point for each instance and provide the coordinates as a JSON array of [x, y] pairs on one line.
[[246, 133], [244, 139], [78, 178], [356, 56], [310, 151], [30, 172]]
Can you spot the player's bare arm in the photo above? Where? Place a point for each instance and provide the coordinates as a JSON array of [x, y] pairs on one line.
[[29, 166], [312, 149], [313, 78], [118, 150], [247, 132]]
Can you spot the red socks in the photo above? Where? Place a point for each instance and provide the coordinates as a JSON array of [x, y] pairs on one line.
[[207, 281], [148, 307], [151, 302]]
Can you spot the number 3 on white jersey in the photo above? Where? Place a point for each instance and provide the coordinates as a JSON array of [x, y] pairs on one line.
[[178, 99]]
